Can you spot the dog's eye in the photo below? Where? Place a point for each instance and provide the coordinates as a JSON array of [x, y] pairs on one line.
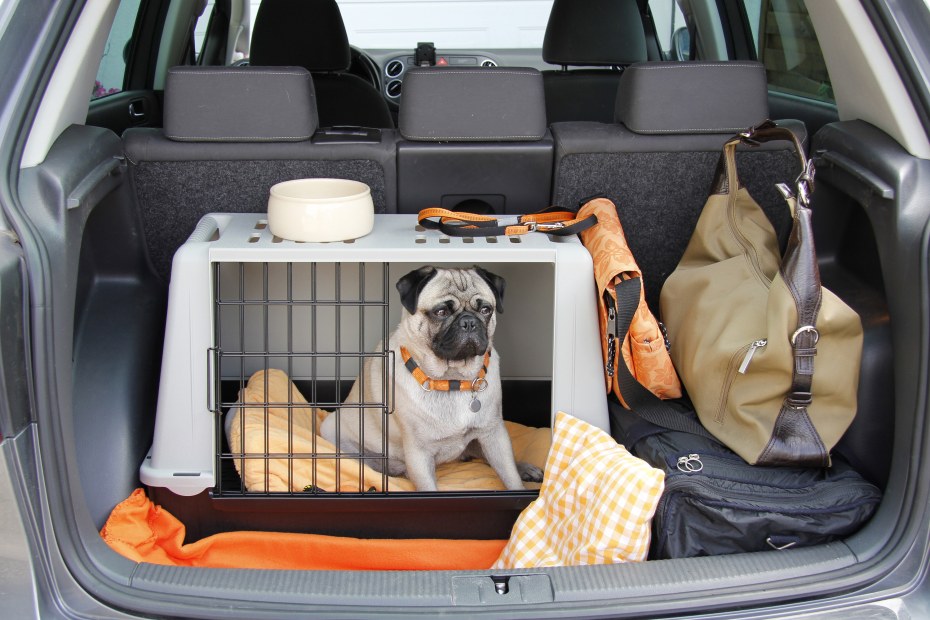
[[486, 310], [441, 313]]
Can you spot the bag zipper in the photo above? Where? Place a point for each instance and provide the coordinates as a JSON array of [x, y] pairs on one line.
[[693, 462], [675, 481], [787, 504], [745, 353], [611, 304], [748, 249], [756, 344], [720, 414], [665, 340]]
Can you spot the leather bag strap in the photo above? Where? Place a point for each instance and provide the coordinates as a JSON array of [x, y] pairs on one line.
[[794, 439], [640, 400], [766, 131]]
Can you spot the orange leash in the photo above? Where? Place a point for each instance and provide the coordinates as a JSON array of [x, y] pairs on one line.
[[553, 221]]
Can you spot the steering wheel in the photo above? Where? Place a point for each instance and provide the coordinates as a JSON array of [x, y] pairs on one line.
[[364, 67]]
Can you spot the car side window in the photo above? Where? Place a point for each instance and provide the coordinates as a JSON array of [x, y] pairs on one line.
[[200, 29], [787, 46], [671, 29], [111, 74]]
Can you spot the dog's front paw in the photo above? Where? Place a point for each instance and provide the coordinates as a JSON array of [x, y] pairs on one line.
[[529, 473]]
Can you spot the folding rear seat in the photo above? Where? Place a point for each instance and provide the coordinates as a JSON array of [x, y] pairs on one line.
[[657, 161], [230, 133], [474, 139]]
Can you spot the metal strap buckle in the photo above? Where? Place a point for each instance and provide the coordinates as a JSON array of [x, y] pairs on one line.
[[805, 183], [801, 330], [799, 400]]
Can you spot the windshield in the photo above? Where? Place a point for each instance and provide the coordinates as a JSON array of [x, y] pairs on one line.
[[388, 24], [457, 24]]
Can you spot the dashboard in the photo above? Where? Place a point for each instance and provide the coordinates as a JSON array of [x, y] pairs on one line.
[[395, 68], [394, 64]]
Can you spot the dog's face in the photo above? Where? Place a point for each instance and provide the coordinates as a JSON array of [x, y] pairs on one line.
[[455, 310]]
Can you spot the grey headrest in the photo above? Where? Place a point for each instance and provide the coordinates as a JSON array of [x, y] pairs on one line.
[[473, 104], [239, 104], [594, 33], [692, 97]]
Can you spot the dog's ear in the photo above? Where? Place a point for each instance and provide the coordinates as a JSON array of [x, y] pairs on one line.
[[412, 284], [497, 285]]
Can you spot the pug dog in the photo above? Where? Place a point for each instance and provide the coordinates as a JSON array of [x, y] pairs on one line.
[[447, 388]]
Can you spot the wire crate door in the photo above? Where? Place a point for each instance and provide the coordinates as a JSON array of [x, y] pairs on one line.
[[291, 339]]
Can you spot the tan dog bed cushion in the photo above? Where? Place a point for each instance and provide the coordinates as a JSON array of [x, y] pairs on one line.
[[297, 436]]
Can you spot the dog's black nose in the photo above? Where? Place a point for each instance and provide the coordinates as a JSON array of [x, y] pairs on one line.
[[468, 322]]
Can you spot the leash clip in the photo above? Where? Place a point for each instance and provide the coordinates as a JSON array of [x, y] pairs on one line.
[[544, 226]]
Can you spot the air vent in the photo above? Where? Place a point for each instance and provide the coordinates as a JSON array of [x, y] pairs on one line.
[[488, 63], [393, 88], [394, 68]]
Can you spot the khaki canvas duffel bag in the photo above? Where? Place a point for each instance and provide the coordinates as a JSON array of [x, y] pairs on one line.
[[768, 356]]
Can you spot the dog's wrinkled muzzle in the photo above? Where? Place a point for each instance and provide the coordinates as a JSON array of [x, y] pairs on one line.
[[464, 337]]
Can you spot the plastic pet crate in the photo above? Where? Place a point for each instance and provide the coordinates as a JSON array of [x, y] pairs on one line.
[[242, 300]]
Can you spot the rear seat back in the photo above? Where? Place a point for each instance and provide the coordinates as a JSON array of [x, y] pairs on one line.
[[230, 133], [473, 139], [657, 162]]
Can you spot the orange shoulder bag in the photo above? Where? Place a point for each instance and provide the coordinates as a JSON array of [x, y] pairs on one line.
[[643, 347]]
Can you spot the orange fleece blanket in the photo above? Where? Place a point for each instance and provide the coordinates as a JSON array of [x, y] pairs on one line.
[[144, 532], [289, 423]]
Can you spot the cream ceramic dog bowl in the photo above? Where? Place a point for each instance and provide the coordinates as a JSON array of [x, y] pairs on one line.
[[320, 210]]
